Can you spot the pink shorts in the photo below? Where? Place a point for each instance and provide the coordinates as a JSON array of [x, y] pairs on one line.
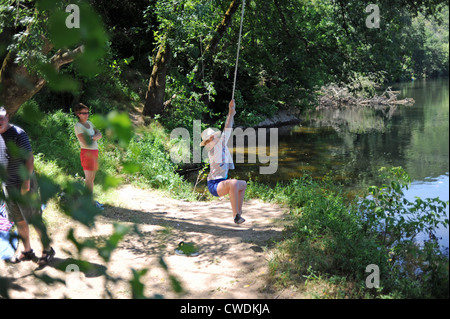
[[89, 159]]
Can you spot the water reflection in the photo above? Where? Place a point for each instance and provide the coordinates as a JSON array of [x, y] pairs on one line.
[[431, 188], [352, 144]]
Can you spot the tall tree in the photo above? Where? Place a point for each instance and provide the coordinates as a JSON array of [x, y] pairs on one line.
[[18, 85], [154, 99], [39, 41], [154, 102], [221, 28]]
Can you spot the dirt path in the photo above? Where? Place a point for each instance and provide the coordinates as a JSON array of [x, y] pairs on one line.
[[232, 261]]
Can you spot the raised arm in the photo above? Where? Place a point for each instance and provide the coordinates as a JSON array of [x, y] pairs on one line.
[[231, 112]]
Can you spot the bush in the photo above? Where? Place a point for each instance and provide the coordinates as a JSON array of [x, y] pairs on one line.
[[52, 136], [156, 169], [331, 237], [56, 148]]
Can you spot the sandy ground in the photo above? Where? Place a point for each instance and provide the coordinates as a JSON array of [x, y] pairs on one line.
[[232, 261]]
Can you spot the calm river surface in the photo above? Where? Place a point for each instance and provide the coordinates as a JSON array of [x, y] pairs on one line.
[[351, 145]]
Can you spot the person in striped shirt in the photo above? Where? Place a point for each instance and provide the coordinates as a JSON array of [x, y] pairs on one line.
[[16, 154]]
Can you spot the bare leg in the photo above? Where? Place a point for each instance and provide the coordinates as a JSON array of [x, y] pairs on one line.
[[45, 245], [241, 196], [89, 179], [236, 190], [24, 234]]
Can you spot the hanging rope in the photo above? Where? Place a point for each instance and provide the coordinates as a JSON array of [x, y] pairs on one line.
[[239, 46]]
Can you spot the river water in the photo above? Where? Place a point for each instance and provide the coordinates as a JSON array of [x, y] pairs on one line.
[[351, 145]]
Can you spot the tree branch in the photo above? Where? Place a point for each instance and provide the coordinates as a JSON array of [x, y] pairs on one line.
[[19, 85], [222, 28], [65, 57]]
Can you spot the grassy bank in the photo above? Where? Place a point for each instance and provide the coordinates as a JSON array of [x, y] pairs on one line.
[[332, 240], [144, 161]]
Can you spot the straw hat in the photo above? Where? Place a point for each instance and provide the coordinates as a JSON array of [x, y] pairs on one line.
[[206, 135]]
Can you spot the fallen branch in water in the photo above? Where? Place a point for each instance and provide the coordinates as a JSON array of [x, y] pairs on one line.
[[334, 96]]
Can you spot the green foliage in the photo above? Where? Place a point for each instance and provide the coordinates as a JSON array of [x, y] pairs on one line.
[[142, 157], [156, 169], [116, 125], [185, 106], [385, 209], [57, 160], [430, 55], [31, 27], [397, 221], [52, 136], [333, 237], [187, 249], [325, 235], [289, 48]]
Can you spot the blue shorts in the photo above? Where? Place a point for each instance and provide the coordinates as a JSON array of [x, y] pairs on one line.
[[212, 186]]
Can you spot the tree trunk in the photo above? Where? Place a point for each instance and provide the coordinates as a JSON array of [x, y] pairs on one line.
[[222, 28], [17, 85], [154, 99], [211, 47]]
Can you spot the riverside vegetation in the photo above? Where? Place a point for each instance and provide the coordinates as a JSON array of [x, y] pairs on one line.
[[332, 236]]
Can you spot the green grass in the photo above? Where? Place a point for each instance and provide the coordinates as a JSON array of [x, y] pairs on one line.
[[146, 161]]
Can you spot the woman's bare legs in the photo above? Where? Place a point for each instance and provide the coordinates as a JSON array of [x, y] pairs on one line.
[[236, 189], [89, 177]]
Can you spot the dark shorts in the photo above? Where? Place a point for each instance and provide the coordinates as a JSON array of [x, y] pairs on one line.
[[212, 186], [19, 211], [89, 159]]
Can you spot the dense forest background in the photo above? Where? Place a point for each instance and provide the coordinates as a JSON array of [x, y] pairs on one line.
[[176, 58]]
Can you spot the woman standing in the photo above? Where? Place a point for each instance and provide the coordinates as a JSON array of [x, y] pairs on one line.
[[88, 136]]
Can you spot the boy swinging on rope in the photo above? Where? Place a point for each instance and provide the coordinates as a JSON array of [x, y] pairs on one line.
[[221, 161]]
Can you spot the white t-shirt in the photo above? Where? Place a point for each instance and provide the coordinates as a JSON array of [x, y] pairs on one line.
[[81, 129], [220, 158]]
